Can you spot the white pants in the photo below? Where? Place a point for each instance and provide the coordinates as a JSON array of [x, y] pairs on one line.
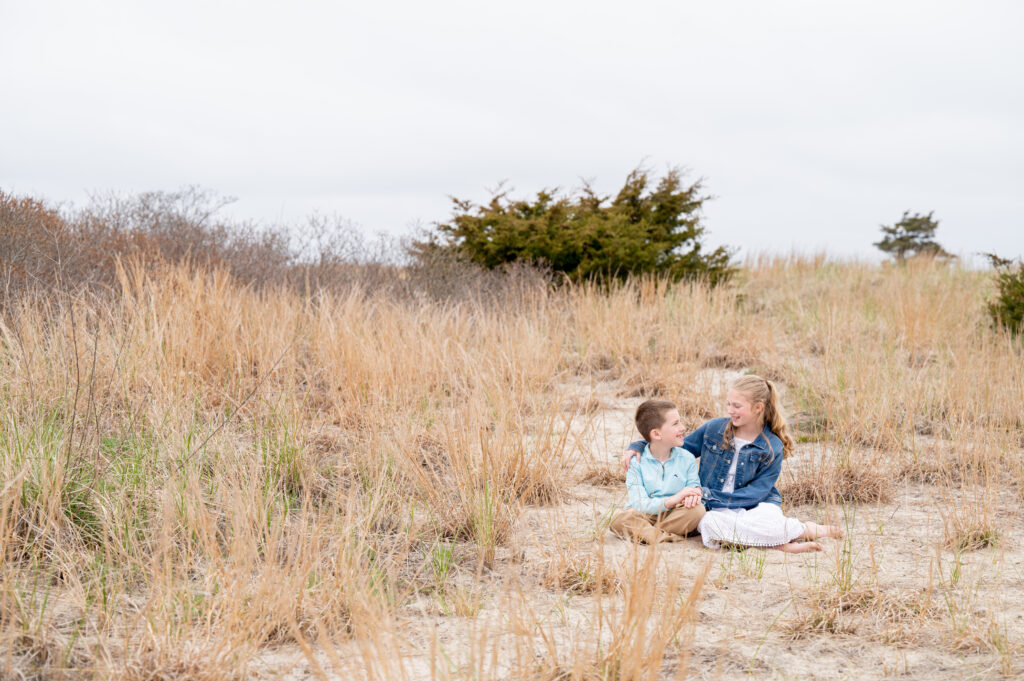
[[763, 525]]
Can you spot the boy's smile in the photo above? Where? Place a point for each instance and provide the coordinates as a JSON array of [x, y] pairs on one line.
[[672, 431]]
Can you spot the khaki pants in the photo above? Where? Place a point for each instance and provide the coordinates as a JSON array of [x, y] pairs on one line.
[[672, 525]]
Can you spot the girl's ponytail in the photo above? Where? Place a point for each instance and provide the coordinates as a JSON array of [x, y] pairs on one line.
[[775, 420]]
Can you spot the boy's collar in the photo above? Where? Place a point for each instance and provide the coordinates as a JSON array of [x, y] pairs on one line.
[[648, 453]]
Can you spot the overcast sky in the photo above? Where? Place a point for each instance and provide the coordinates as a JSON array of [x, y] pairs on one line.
[[811, 122]]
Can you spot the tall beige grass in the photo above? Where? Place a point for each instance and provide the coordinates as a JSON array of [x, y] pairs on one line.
[[194, 471]]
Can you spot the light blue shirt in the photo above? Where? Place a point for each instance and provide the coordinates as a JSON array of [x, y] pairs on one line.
[[649, 481]]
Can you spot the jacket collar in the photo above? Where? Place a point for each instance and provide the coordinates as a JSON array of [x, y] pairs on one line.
[[647, 454], [762, 442]]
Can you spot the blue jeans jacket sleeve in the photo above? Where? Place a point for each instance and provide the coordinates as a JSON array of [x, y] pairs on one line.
[[638, 496], [754, 492], [694, 442], [637, 446]]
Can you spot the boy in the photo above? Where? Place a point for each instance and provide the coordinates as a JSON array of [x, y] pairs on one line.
[[664, 489]]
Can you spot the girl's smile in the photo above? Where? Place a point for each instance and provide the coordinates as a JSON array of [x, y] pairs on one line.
[[744, 415]]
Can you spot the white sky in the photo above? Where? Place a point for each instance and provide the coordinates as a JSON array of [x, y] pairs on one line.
[[811, 122]]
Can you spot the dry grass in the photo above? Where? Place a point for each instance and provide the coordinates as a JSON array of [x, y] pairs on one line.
[[610, 475], [579, 575], [195, 471], [885, 614], [646, 631], [828, 476], [969, 522]]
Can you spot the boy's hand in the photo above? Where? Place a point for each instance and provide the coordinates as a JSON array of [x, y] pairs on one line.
[[687, 496], [680, 497], [626, 456]]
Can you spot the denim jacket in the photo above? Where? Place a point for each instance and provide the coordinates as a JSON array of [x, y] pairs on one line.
[[757, 470]]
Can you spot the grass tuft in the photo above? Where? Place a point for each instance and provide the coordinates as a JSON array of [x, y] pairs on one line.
[[889, 615], [579, 574], [604, 476]]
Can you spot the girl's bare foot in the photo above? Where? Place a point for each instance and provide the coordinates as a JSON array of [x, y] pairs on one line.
[[799, 547], [814, 531], [835, 532]]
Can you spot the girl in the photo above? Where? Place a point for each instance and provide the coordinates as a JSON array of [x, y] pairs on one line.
[[740, 460]]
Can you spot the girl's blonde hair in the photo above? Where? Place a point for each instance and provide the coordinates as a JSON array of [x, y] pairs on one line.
[[762, 390]]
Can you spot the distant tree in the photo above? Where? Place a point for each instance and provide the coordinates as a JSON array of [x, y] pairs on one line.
[[1007, 309], [584, 235], [913, 235]]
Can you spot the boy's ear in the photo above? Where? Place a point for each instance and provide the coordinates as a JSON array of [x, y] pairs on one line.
[[655, 434]]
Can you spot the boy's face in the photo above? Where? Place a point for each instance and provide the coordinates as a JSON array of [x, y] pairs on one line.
[[671, 430]]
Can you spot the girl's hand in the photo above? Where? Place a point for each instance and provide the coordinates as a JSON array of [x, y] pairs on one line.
[[687, 497], [626, 456], [691, 496]]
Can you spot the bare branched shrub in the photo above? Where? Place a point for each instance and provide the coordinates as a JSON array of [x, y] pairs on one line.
[[32, 238], [43, 248]]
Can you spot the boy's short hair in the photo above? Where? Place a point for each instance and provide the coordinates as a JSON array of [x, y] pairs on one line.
[[651, 415]]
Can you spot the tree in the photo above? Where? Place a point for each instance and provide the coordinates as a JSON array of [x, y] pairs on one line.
[[913, 235], [1007, 309], [585, 235]]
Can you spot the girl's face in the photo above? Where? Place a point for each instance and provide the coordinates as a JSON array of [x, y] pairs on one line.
[[742, 412]]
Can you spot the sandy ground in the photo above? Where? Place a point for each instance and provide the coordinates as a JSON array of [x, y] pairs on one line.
[[935, 614]]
